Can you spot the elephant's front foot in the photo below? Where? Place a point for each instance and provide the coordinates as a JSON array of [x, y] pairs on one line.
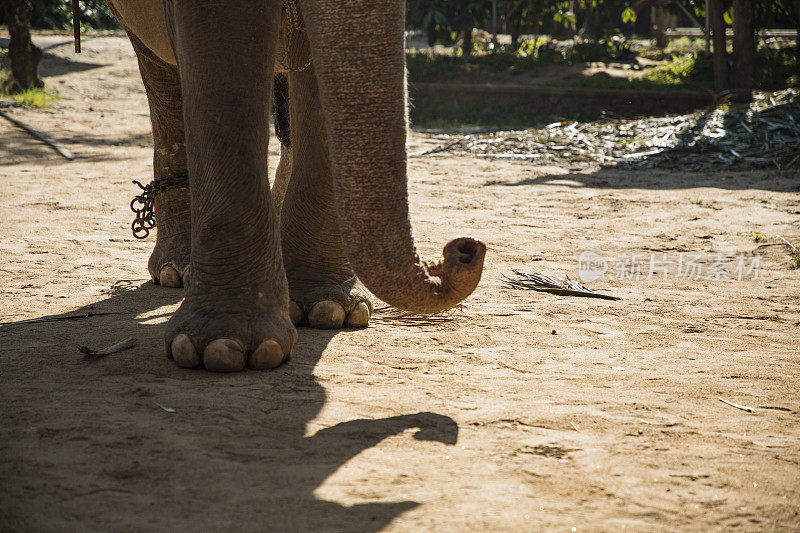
[[328, 302], [227, 335], [169, 261]]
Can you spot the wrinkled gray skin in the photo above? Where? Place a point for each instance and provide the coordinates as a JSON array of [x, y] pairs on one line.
[[253, 262]]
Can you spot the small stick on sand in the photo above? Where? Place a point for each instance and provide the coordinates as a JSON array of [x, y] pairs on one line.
[[790, 245], [60, 317], [114, 348], [693, 477], [63, 152], [736, 405]]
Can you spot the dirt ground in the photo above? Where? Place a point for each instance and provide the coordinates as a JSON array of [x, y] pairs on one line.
[[526, 412]]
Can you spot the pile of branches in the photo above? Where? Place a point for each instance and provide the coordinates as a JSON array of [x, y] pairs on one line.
[[766, 134]]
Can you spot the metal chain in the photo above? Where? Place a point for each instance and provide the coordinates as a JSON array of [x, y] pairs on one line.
[[143, 205]]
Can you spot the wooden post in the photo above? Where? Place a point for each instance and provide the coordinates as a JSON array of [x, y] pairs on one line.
[[720, 47], [744, 49]]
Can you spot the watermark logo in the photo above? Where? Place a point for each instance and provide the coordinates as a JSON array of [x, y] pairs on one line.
[[591, 266], [681, 265]]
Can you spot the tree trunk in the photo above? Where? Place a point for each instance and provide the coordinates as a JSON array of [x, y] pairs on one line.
[[660, 27], [794, 14], [720, 47], [515, 29], [466, 43], [744, 48], [24, 55]]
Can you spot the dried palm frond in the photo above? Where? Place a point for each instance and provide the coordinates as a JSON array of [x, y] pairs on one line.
[[554, 285]]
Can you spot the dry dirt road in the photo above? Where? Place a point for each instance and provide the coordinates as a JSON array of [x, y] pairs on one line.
[[526, 412]]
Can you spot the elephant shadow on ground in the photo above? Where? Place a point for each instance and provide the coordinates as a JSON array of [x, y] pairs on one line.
[[237, 442]]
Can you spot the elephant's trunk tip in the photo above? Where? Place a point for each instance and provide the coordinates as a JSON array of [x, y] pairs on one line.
[[460, 269], [469, 249], [463, 255]]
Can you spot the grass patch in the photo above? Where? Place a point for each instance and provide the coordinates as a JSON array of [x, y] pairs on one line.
[[794, 261], [681, 70], [489, 63], [35, 97], [675, 47], [758, 237]]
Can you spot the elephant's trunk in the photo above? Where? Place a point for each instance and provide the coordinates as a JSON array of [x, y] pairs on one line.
[[358, 56]]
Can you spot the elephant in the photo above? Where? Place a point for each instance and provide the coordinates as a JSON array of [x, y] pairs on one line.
[[255, 262]]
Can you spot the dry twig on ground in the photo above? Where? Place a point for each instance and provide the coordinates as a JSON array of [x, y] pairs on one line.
[[551, 284], [114, 348], [392, 314]]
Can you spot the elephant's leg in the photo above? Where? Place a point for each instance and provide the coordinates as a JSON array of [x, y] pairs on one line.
[[236, 310], [170, 258], [324, 290]]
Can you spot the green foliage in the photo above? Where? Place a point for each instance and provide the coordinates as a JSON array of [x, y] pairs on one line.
[[601, 50], [794, 261], [36, 97], [427, 67], [487, 59], [775, 68], [442, 20], [685, 45], [57, 14], [628, 15], [728, 16], [681, 69]]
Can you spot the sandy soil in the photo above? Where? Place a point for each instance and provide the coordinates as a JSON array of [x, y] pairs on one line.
[[528, 411]]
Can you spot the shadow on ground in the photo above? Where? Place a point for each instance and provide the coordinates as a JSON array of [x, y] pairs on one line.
[[722, 159], [235, 447], [657, 179], [54, 65]]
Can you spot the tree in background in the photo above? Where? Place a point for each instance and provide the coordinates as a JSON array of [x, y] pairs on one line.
[[24, 55], [744, 49], [444, 21], [57, 14], [790, 9]]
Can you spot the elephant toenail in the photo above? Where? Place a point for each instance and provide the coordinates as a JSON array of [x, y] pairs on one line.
[[269, 354], [169, 277], [183, 352], [295, 313], [224, 355], [359, 317], [326, 315]]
